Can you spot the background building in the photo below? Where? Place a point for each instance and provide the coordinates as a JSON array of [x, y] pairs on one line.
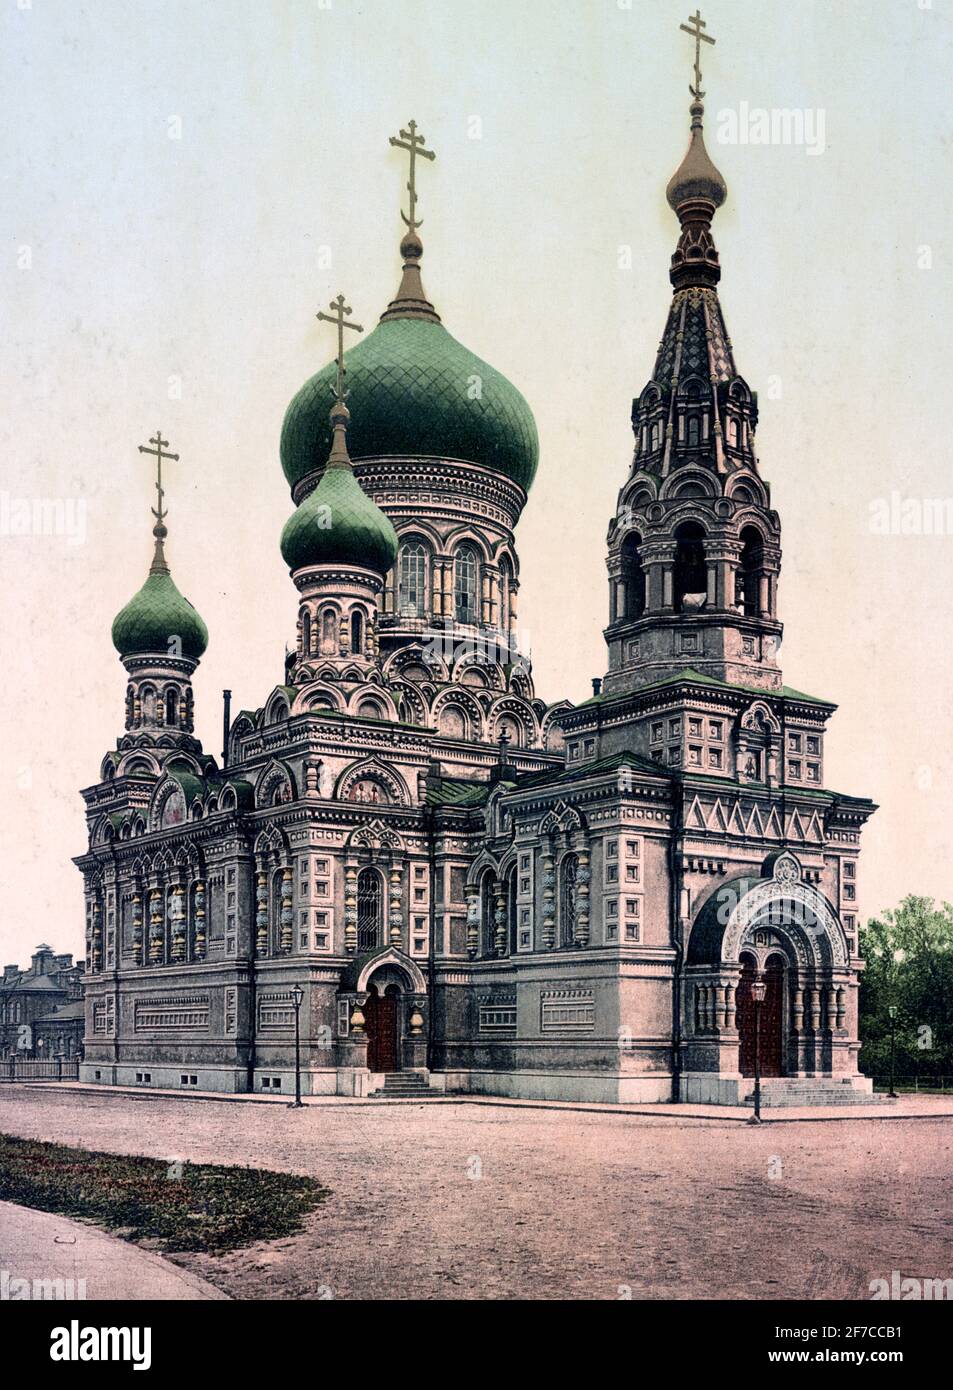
[[41, 1008]]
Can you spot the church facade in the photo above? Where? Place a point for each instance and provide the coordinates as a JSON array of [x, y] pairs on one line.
[[410, 860]]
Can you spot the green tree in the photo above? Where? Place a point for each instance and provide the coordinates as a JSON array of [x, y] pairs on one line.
[[909, 963]]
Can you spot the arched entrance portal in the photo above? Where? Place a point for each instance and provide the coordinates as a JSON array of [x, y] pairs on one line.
[[771, 1027], [382, 1022]]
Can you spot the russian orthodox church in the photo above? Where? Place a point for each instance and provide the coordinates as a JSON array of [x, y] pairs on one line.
[[444, 881]]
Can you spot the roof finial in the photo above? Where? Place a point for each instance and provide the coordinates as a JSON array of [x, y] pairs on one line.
[[696, 189], [340, 415], [694, 27], [160, 530], [411, 302]]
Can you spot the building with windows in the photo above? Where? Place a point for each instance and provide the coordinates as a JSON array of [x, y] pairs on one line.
[[474, 889], [41, 1008]]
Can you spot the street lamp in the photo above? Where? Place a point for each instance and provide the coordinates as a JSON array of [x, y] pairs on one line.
[[297, 994], [758, 991], [892, 1011]]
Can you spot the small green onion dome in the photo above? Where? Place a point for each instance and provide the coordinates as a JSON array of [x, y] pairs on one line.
[[338, 524], [157, 614], [416, 391]]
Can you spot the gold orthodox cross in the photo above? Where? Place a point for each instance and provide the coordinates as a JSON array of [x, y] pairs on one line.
[[158, 452], [694, 27], [338, 317], [414, 144]]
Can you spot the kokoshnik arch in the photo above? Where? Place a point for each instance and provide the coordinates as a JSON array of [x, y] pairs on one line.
[[476, 890]]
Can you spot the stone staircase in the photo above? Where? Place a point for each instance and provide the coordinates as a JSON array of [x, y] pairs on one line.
[[811, 1090], [405, 1085]]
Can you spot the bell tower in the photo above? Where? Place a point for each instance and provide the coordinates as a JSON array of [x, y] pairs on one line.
[[694, 546]]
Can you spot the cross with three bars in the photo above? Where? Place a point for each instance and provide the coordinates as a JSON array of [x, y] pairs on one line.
[[158, 453], [338, 317], [414, 144], [694, 27]]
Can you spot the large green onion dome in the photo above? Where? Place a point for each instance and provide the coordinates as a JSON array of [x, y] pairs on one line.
[[414, 390], [337, 523], [159, 613]]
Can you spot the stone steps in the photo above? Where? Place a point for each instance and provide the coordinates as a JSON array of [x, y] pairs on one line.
[[777, 1091], [405, 1084]]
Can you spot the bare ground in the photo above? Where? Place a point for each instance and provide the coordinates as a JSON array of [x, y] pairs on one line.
[[477, 1201]]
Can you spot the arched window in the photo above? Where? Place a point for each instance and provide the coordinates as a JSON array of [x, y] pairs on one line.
[[694, 431], [148, 698], [412, 580], [747, 596], [306, 633], [633, 579], [370, 911], [733, 433], [568, 870], [329, 632], [656, 436], [357, 632], [172, 707], [466, 579], [690, 574], [506, 584]]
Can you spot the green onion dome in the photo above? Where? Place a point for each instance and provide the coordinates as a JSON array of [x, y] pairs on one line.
[[337, 523], [415, 391], [157, 614]]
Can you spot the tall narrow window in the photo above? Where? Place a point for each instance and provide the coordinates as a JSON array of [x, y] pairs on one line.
[[488, 913], [690, 570], [693, 431], [512, 910], [369, 910], [633, 579], [568, 871], [506, 583], [357, 632], [171, 707], [306, 633], [412, 580], [329, 632], [466, 574], [750, 571]]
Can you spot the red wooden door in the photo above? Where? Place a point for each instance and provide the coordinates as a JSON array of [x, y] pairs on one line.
[[381, 1019]]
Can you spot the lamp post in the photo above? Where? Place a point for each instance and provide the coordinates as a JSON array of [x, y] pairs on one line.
[[297, 994], [892, 1011], [758, 991]]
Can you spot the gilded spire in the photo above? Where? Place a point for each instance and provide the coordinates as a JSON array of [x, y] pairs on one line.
[[160, 530], [340, 415], [411, 302], [696, 189]]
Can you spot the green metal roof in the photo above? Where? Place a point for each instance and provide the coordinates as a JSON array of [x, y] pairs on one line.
[[154, 617], [415, 390], [693, 677], [338, 524]]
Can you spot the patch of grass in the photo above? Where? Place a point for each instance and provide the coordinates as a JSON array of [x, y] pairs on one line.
[[178, 1206]]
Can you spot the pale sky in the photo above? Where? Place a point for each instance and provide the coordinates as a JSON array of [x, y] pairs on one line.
[[149, 280]]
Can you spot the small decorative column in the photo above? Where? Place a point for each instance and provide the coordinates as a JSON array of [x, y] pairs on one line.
[[448, 588], [396, 916], [200, 940], [831, 1021], [156, 929], [350, 908], [840, 1007], [97, 937], [729, 1007], [344, 636], [286, 920], [549, 896], [312, 777], [261, 914], [177, 923], [472, 895], [138, 942], [583, 880], [499, 918]]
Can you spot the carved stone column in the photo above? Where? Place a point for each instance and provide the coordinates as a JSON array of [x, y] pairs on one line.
[[156, 926], [350, 908], [549, 896], [138, 938], [396, 915], [201, 940], [177, 922], [499, 918], [583, 880], [286, 918], [261, 913], [471, 892]]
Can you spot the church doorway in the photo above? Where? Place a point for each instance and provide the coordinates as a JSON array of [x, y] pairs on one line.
[[771, 1030], [382, 1021]]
